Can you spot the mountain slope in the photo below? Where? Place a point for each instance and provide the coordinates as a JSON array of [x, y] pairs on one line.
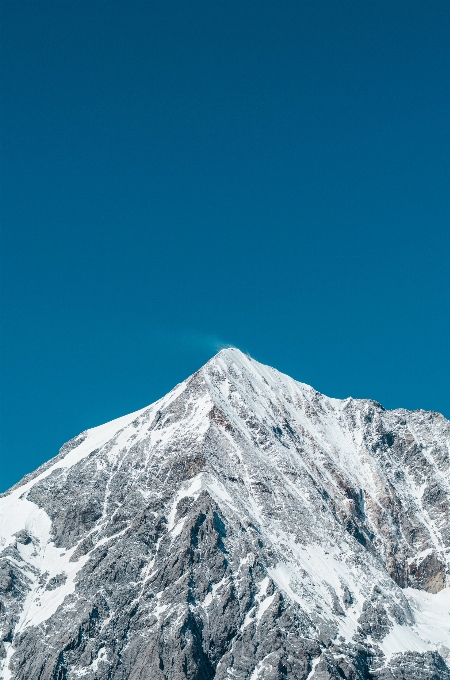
[[243, 526]]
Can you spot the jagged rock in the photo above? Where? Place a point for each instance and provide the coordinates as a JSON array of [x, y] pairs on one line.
[[244, 526], [428, 573]]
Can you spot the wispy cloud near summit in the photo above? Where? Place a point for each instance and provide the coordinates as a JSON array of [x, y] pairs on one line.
[[204, 341], [190, 340]]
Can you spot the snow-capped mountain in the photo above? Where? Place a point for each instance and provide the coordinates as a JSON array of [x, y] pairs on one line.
[[244, 526]]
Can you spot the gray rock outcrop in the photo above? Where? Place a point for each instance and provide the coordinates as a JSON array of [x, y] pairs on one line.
[[243, 527]]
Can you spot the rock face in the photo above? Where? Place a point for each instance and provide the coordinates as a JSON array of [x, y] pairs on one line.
[[244, 526]]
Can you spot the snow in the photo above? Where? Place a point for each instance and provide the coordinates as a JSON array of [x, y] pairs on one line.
[[178, 528], [308, 577], [260, 667], [18, 513], [212, 594], [314, 663], [312, 574], [160, 609], [193, 489], [102, 656], [432, 624], [262, 603], [264, 606]]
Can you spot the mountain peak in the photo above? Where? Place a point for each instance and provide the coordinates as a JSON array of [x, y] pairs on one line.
[[242, 525]]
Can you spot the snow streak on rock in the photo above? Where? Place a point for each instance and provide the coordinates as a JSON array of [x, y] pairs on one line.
[[244, 526]]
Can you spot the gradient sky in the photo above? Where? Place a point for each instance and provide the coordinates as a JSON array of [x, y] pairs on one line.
[[182, 175]]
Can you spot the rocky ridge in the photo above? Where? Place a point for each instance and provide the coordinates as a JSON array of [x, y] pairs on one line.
[[244, 526]]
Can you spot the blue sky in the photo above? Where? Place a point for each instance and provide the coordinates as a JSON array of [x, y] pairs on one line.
[[182, 175]]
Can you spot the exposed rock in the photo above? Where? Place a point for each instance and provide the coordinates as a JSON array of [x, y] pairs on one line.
[[428, 573], [244, 526]]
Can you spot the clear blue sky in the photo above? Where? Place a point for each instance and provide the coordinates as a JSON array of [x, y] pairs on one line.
[[182, 175]]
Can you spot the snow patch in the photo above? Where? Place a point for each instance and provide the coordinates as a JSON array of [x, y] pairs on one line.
[[193, 489], [431, 628], [212, 594]]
